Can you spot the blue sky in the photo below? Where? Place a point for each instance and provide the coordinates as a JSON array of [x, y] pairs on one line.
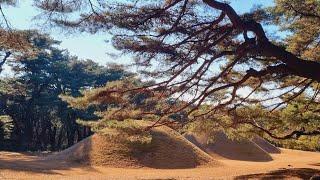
[[89, 46]]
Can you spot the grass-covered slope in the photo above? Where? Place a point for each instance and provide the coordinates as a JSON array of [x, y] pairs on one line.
[[223, 147], [130, 146]]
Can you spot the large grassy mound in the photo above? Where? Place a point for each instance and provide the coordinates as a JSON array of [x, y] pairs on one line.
[[162, 148], [265, 145], [223, 147]]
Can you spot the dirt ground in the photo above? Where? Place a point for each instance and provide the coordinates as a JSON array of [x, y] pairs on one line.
[[290, 164]]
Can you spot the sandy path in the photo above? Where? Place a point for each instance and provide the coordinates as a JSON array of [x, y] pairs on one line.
[[289, 164]]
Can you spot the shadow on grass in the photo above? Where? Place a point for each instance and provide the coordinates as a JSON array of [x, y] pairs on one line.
[[317, 164], [242, 150], [302, 173], [37, 163]]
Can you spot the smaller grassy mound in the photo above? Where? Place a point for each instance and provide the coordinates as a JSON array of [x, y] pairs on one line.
[[223, 147], [127, 145], [265, 145]]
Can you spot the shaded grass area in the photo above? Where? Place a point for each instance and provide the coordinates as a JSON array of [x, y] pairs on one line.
[[36, 164], [302, 173], [317, 164], [222, 146]]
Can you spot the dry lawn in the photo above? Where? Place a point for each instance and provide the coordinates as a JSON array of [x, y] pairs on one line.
[[224, 148], [290, 164]]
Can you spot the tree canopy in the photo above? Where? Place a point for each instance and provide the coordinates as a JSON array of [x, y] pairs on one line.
[[12, 42], [197, 60], [202, 52], [31, 107]]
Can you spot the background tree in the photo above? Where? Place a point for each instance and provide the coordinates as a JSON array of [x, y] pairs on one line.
[[42, 121], [301, 114], [206, 53]]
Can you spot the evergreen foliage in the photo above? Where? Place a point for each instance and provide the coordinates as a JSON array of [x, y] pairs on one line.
[[42, 121], [211, 69]]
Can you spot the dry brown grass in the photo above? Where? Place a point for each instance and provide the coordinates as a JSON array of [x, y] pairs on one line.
[[167, 150], [265, 145], [290, 164], [225, 148], [97, 157]]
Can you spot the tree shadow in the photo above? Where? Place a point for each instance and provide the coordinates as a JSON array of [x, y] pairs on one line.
[[242, 150], [38, 163], [302, 173], [316, 164]]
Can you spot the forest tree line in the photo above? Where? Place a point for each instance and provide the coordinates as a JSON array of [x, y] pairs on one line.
[[32, 115]]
